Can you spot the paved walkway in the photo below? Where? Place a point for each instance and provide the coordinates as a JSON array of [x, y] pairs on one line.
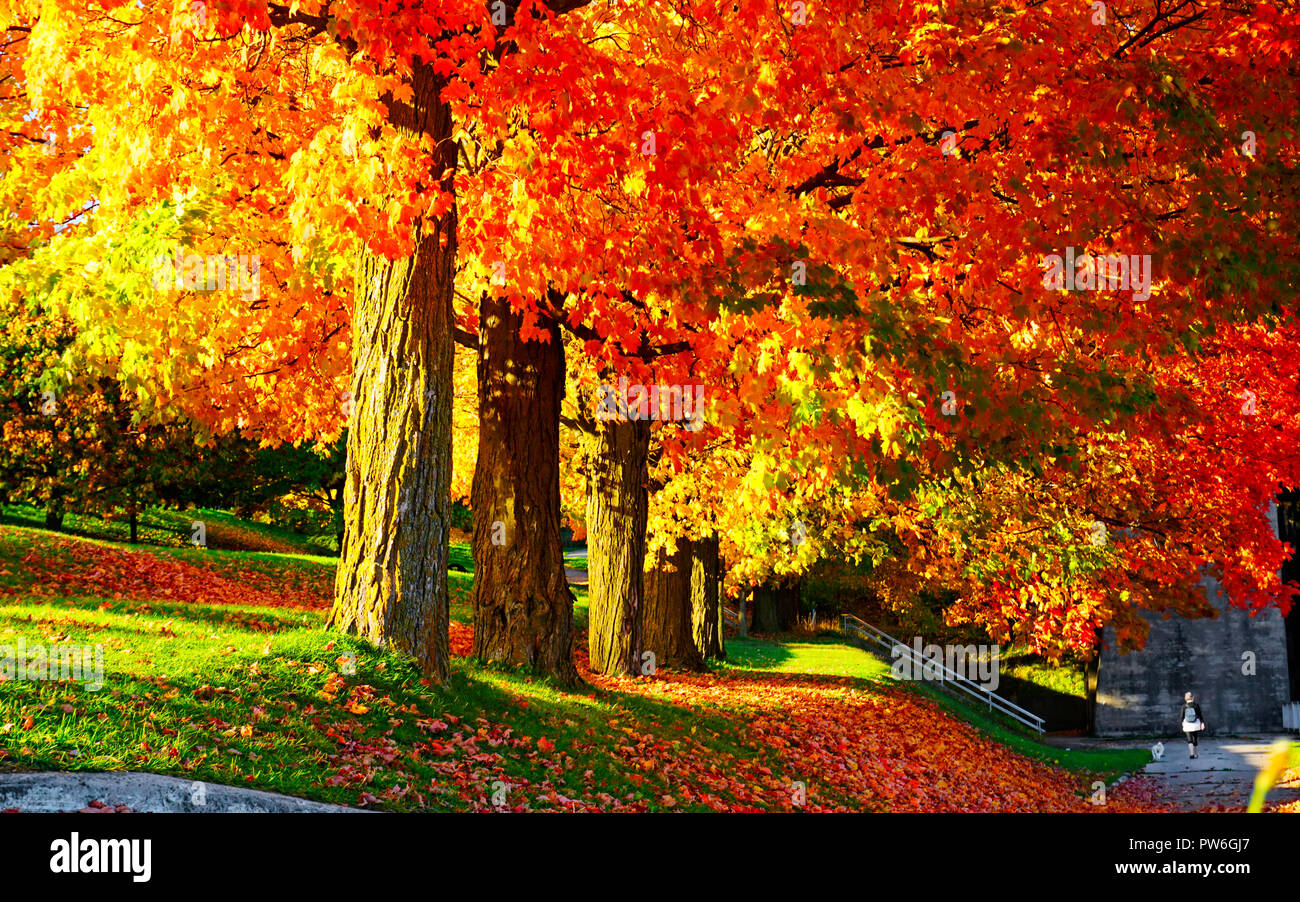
[[120, 792], [1221, 776], [574, 576]]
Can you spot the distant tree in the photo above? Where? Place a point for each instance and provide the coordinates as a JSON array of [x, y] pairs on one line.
[[75, 444]]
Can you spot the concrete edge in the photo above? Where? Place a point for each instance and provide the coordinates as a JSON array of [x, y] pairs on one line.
[[64, 791]]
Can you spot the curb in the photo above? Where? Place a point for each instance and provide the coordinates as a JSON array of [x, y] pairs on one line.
[[61, 791]]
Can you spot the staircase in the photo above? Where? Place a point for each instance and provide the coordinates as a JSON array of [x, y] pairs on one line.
[[730, 620], [863, 634]]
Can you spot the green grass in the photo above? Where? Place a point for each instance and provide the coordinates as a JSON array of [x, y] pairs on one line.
[[326, 546], [460, 558], [156, 526], [822, 656], [174, 529], [1065, 679], [266, 697], [201, 693], [234, 695]]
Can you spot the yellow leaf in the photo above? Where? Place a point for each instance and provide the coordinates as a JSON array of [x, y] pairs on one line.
[[634, 184]]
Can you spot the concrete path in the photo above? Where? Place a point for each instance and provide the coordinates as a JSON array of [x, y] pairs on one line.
[[1221, 776], [576, 577], [118, 792]]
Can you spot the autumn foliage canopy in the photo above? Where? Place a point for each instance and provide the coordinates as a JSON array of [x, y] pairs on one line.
[[997, 298]]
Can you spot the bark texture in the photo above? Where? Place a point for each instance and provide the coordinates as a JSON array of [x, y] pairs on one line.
[[617, 506], [706, 597], [667, 620], [392, 576], [523, 609]]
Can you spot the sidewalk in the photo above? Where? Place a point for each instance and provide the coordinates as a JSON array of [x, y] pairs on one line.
[[1221, 776]]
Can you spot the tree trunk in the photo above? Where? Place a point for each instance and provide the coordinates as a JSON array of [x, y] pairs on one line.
[[1091, 671], [667, 631], [133, 518], [617, 502], [776, 606], [789, 598], [706, 597], [53, 519], [523, 609], [392, 575], [766, 617]]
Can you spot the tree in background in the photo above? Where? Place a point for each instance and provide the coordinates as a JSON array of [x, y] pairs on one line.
[[866, 267]]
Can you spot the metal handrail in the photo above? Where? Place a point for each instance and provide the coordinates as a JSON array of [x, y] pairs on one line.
[[850, 624]]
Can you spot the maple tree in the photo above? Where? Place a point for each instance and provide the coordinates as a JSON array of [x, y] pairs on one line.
[[75, 444], [524, 243], [857, 238], [393, 565], [1027, 380]]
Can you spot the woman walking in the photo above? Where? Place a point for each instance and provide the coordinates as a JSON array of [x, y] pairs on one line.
[[1193, 723]]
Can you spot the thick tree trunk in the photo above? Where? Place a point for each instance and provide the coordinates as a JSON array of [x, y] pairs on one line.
[[134, 519], [667, 629], [392, 575], [706, 597], [617, 502], [53, 519], [523, 609]]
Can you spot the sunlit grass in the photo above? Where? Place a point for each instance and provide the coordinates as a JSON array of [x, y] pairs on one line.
[[265, 696]]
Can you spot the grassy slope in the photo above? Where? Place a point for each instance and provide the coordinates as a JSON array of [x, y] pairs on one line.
[[245, 690], [832, 657], [234, 694], [173, 529]]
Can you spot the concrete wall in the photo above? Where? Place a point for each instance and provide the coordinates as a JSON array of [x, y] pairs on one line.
[[1141, 693]]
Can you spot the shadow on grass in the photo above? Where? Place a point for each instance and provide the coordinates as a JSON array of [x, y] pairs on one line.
[[756, 652]]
